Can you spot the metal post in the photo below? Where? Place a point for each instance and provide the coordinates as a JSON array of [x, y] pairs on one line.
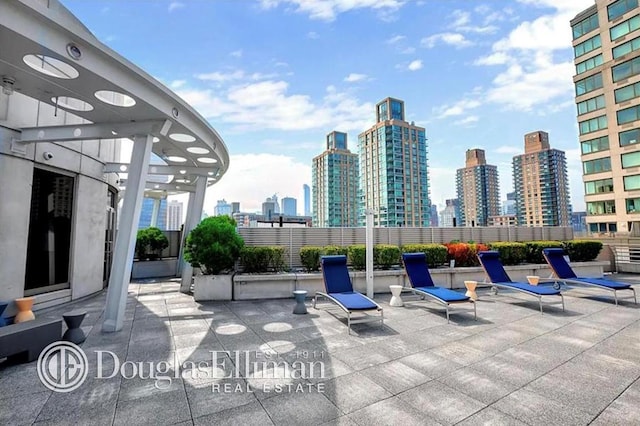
[[369, 251], [183, 237], [126, 236], [193, 218]]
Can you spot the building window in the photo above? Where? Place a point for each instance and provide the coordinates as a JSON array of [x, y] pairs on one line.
[[601, 207], [628, 115], [625, 28], [593, 125], [598, 186], [627, 92], [585, 26], [633, 205], [626, 48], [629, 137], [587, 46], [589, 84], [631, 159], [597, 166], [595, 145], [626, 69], [631, 183], [620, 7], [589, 64], [590, 105], [49, 240], [603, 227]]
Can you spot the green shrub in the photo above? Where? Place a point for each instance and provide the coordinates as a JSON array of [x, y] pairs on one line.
[[582, 250], [534, 250], [465, 254], [263, 259], [357, 255], [150, 241], [436, 253], [386, 255], [510, 253], [213, 245], [310, 257], [334, 250]]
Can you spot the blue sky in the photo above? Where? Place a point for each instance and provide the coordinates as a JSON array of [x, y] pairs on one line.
[[275, 76]]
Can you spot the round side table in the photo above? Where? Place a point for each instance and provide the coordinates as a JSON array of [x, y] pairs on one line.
[[396, 300], [3, 320], [74, 333], [471, 289], [300, 308], [24, 305]]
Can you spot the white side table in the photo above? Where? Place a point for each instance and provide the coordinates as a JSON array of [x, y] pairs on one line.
[[471, 290], [396, 300]]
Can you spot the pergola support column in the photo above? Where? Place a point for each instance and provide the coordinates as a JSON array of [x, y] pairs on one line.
[[194, 213], [126, 236]]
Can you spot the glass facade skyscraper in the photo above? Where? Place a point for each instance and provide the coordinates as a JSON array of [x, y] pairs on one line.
[[335, 184], [394, 179], [147, 213]]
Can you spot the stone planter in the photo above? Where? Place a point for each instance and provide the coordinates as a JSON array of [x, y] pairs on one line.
[[213, 288], [154, 268]]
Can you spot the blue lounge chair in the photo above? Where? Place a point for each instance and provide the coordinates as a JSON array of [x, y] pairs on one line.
[[422, 285], [490, 261], [563, 272], [339, 290]]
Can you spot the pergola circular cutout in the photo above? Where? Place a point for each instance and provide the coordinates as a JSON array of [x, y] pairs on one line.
[[182, 137], [73, 104], [197, 150], [207, 160], [176, 159], [50, 66], [115, 98]]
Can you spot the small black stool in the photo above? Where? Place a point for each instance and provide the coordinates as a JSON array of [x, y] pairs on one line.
[[74, 334]]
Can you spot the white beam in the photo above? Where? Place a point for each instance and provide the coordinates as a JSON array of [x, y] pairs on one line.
[[193, 218], [156, 169], [86, 132], [154, 186], [155, 212], [369, 250], [126, 236]]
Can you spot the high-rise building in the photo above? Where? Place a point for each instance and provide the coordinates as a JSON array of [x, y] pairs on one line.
[[174, 215], [434, 216], [289, 206], [274, 199], [477, 189], [394, 179], [541, 183], [153, 213], [269, 209], [449, 216], [235, 207], [509, 205], [307, 199], [605, 44], [335, 184], [222, 208]]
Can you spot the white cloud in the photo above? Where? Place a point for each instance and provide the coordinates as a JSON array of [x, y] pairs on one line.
[[354, 77], [223, 77], [236, 53], [495, 58], [507, 149], [176, 84], [462, 23], [395, 39], [328, 10], [459, 108], [468, 121], [415, 65], [408, 50], [454, 39], [276, 173], [313, 35], [175, 5]]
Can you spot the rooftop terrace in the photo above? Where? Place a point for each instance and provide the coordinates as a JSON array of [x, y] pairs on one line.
[[512, 366]]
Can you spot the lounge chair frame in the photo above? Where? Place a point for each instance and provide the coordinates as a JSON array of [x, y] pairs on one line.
[[364, 319], [447, 305], [557, 279]]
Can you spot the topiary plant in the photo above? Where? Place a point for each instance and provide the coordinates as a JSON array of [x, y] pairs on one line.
[[214, 245], [150, 241]]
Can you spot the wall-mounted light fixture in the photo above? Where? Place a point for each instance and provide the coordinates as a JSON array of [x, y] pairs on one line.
[[7, 85]]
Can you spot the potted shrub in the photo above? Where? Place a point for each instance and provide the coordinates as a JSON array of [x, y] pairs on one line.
[[214, 246], [149, 243]]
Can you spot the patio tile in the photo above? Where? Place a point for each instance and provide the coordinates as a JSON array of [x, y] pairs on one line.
[[395, 376], [251, 414], [354, 391], [491, 417], [137, 387], [359, 358], [436, 400], [392, 411], [20, 380], [624, 410], [160, 409], [484, 388], [430, 364], [14, 411], [300, 408], [505, 368], [460, 353], [214, 396], [206, 339]]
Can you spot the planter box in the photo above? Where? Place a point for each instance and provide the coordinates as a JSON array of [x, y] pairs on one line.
[[278, 286], [154, 268], [213, 288]]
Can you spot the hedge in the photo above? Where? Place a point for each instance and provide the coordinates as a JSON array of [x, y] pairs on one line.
[[263, 259], [334, 250], [310, 257], [436, 253], [357, 255], [582, 250], [465, 254], [534, 250], [510, 253], [386, 255]]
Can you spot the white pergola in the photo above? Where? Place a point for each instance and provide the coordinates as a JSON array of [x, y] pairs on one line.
[[48, 55]]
